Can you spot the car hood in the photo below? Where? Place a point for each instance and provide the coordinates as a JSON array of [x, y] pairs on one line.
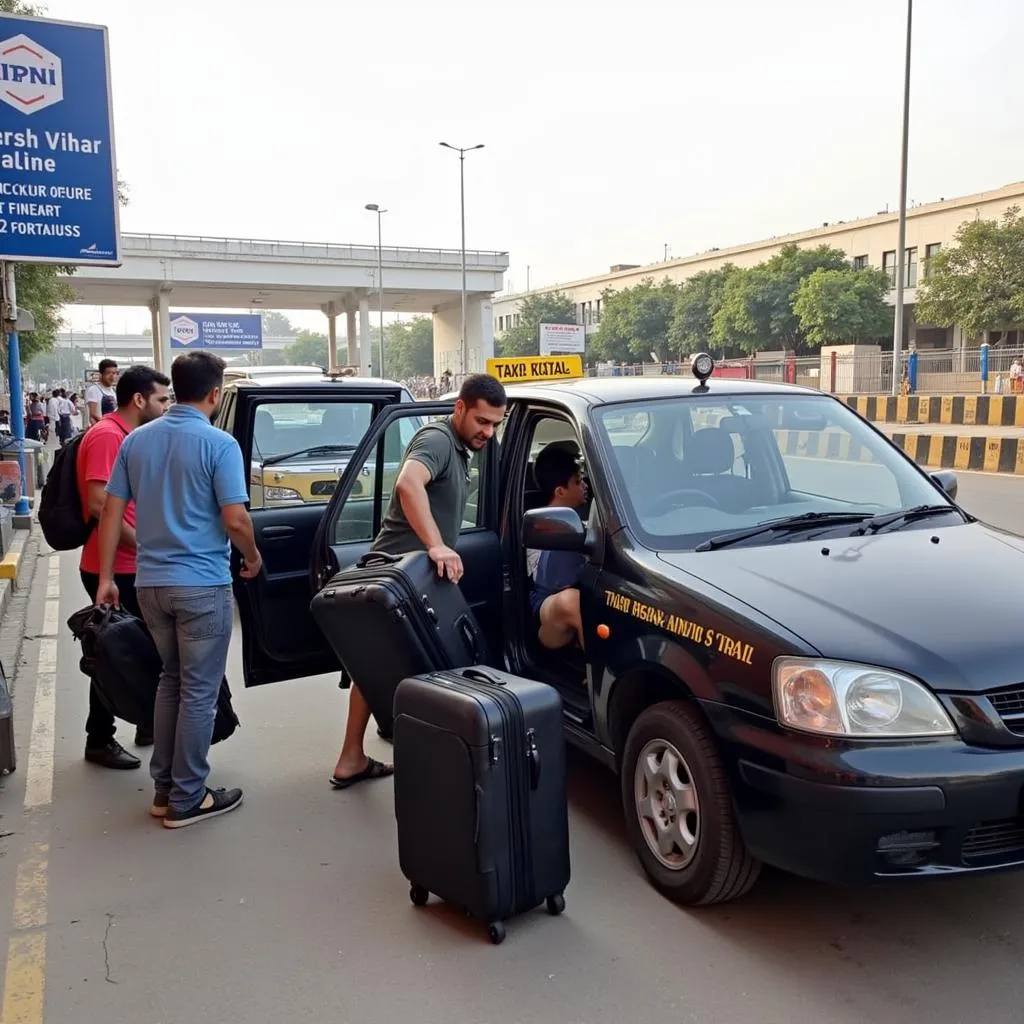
[[949, 612]]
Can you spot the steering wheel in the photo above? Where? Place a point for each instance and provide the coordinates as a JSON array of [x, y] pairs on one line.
[[675, 498]]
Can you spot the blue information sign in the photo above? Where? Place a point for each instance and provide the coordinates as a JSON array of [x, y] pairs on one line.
[[213, 330], [58, 173]]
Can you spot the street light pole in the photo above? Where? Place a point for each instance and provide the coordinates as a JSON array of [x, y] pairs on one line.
[[374, 208], [463, 352], [901, 242]]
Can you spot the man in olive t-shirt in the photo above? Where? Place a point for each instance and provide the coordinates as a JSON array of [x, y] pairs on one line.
[[425, 513]]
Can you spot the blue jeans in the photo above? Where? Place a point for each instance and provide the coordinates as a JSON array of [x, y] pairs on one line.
[[191, 627]]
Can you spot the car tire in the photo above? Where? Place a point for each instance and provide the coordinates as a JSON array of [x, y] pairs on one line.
[[679, 811]]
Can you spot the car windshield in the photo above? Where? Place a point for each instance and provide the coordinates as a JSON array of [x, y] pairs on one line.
[[700, 467], [284, 427]]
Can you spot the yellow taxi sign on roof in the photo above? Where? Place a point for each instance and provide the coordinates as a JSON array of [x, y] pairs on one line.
[[516, 369]]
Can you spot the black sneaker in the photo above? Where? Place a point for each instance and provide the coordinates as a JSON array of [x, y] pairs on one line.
[[218, 802], [113, 755]]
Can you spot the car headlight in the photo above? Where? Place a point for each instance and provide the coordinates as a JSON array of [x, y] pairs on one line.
[[281, 494], [839, 698]]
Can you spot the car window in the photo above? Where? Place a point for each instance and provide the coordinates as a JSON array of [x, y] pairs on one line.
[[691, 468], [359, 517], [300, 449]]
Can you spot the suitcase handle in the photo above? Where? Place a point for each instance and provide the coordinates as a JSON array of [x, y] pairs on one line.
[[377, 558], [481, 676], [469, 635], [533, 756]]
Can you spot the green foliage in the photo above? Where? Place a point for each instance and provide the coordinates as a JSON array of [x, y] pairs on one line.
[[43, 291], [534, 310], [843, 305], [409, 349], [308, 349], [697, 303], [757, 303], [978, 282], [276, 325], [635, 322]]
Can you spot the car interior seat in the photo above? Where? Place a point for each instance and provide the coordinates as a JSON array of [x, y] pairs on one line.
[[264, 434], [708, 463]]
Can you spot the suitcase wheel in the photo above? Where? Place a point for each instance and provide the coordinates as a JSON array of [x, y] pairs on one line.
[[419, 895], [556, 904], [496, 933]]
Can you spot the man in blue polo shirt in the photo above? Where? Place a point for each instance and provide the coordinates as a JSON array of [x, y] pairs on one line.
[[189, 486]]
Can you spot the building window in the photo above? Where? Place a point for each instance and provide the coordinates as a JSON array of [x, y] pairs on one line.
[[860, 262], [930, 252], [910, 269], [889, 266]]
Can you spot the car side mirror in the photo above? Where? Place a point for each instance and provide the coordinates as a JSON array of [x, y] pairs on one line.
[[946, 479], [554, 529]]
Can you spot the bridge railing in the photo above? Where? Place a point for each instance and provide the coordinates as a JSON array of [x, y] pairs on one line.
[[256, 248]]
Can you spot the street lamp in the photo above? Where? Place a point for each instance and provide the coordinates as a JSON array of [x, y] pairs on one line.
[[462, 207], [374, 208], [901, 242]]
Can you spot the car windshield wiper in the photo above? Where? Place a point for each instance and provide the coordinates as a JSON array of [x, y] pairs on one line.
[[876, 523], [806, 519], [319, 449]]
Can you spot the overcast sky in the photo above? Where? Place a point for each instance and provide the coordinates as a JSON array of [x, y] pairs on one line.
[[610, 128]]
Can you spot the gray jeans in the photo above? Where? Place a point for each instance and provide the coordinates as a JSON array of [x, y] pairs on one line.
[[191, 628]]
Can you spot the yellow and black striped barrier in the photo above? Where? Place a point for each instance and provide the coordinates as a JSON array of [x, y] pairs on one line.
[[948, 410], [934, 451]]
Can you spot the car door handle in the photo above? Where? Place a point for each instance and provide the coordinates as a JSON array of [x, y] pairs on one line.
[[270, 532]]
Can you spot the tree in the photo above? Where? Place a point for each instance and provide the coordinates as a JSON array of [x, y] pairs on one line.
[[409, 349], [534, 310], [276, 325], [843, 305], [699, 299], [757, 303], [635, 321], [978, 282], [308, 349]]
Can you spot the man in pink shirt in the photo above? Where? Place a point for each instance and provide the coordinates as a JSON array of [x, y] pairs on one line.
[[142, 396]]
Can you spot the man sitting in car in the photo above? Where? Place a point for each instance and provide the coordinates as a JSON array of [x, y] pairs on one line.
[[556, 598]]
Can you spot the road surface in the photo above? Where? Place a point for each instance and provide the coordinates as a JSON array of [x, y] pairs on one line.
[[294, 909]]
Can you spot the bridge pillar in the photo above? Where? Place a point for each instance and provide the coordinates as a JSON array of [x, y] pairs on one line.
[[158, 355], [365, 361], [350, 334], [479, 336], [330, 310], [163, 315]]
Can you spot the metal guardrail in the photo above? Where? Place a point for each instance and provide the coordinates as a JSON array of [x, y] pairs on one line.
[[180, 245]]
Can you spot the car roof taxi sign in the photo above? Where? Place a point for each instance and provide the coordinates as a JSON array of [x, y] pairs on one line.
[[519, 369]]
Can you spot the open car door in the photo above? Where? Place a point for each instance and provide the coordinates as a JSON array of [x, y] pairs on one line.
[[354, 515], [297, 444]]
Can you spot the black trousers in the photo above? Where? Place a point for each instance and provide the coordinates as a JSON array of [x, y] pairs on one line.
[[99, 727]]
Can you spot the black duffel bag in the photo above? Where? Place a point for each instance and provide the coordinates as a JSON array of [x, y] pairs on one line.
[[119, 654]]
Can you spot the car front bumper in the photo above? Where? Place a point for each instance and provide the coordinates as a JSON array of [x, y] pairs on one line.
[[854, 813]]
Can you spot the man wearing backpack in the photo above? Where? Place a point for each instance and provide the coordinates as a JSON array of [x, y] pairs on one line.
[[142, 396]]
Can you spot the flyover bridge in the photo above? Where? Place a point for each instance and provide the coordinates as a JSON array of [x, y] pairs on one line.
[[199, 273]]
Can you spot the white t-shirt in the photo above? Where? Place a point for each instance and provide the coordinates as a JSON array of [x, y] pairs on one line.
[[52, 407], [104, 397], [64, 407]]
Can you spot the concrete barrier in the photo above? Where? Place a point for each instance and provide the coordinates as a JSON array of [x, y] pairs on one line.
[[949, 410], [933, 451]]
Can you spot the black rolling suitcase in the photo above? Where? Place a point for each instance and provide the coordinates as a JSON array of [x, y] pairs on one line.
[[480, 795], [390, 617]]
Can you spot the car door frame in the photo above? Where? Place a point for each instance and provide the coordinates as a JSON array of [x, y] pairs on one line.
[[261, 664]]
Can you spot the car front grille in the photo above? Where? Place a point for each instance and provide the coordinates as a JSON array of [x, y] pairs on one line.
[[994, 841], [1009, 706]]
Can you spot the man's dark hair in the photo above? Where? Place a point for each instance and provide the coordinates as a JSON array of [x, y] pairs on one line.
[[482, 387], [138, 380], [107, 364], [555, 467], [195, 374], [55, 393]]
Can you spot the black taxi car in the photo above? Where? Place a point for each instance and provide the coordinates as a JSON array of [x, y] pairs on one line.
[[799, 650]]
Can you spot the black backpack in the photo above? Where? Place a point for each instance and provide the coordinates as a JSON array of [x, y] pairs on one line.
[[60, 504]]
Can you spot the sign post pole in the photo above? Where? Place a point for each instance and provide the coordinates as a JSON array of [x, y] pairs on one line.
[[21, 508]]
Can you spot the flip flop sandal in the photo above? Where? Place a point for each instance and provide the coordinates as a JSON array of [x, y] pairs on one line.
[[374, 770]]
